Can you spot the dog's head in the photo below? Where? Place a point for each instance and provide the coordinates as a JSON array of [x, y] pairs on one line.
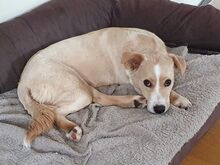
[[153, 77]]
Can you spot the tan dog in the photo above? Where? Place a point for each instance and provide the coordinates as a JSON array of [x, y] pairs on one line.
[[62, 78]]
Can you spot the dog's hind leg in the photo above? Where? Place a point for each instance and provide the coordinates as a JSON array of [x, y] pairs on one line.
[[135, 101], [72, 104], [72, 130]]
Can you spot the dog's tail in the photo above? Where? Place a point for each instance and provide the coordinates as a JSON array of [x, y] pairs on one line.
[[43, 117]]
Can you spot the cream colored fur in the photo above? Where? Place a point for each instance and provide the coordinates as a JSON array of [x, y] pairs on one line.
[[62, 78]]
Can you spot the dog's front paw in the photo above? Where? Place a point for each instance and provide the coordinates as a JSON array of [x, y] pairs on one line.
[[182, 102], [75, 134], [139, 102]]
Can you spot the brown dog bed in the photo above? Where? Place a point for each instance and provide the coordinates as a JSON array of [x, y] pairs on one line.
[[176, 24]]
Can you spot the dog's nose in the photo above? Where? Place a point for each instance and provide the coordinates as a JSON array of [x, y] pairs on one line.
[[159, 109]]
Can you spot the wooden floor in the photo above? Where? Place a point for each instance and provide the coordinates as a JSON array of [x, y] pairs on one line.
[[207, 150]]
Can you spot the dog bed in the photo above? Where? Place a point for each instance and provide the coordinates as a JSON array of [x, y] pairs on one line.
[[114, 135]]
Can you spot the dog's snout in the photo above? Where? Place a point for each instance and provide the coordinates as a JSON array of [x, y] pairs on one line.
[[159, 109]]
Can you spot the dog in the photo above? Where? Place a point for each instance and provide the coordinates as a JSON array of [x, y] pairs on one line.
[[62, 78]]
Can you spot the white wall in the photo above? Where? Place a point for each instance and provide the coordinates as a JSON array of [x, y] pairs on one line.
[[191, 2], [12, 8], [216, 3]]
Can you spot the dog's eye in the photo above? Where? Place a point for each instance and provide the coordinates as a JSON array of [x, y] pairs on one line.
[[147, 83], [167, 83]]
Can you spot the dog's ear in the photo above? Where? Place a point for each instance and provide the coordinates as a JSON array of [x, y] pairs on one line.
[[179, 63], [132, 61]]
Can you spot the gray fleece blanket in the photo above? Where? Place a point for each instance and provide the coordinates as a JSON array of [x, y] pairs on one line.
[[113, 135]]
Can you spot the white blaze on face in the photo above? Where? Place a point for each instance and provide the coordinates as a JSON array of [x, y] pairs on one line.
[[156, 98]]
